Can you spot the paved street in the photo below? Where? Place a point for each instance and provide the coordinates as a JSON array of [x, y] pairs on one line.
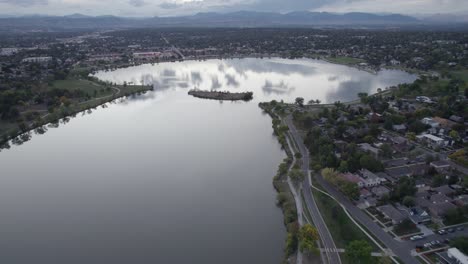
[[332, 255], [401, 249]]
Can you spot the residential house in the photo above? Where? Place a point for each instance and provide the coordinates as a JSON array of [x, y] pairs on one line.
[[445, 190], [370, 179], [419, 169], [353, 178], [461, 200], [417, 215], [366, 147], [399, 172], [439, 198], [380, 191], [456, 254], [457, 119], [430, 122], [441, 209], [400, 128], [391, 213], [441, 165], [432, 141]]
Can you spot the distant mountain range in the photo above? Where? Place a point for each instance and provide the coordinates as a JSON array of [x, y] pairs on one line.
[[235, 19]]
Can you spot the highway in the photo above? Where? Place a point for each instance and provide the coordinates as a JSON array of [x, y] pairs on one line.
[[332, 255], [401, 249]]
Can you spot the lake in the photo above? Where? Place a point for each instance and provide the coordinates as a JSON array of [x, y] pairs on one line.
[[165, 177]]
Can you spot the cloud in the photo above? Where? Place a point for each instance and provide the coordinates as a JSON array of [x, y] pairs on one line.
[[169, 5], [187, 7], [25, 3], [137, 3]]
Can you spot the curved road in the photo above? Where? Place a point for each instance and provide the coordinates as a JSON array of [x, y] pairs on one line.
[[401, 249], [333, 256]]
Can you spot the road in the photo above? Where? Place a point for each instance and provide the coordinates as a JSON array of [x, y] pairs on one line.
[[401, 249], [332, 255]]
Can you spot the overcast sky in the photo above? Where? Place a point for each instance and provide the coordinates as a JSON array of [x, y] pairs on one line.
[[184, 7]]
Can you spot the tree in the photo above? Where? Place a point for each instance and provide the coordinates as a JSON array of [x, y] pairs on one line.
[[387, 150], [408, 201], [343, 166], [308, 237], [454, 134], [368, 162], [300, 101], [296, 175], [461, 243], [359, 251]]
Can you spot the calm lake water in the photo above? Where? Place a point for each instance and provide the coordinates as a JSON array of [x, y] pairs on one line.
[[164, 177]]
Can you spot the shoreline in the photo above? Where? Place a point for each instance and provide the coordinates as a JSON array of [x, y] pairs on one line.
[[19, 135], [372, 70]]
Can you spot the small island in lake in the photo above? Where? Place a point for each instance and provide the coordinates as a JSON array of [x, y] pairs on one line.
[[246, 96]]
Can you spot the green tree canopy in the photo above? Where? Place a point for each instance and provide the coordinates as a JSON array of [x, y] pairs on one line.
[[359, 251]]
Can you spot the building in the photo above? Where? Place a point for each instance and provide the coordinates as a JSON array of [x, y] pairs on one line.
[[366, 147], [399, 128], [445, 190], [461, 200], [440, 165], [432, 141], [380, 191], [440, 209], [391, 213], [399, 172], [418, 215], [454, 257], [456, 254], [37, 59], [430, 122], [8, 51], [147, 55], [370, 179], [349, 177]]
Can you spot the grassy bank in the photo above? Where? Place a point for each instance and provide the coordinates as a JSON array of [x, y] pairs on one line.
[[97, 94], [285, 199], [341, 227], [345, 60]]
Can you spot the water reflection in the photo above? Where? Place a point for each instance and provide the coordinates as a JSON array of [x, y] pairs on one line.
[[162, 173], [268, 78]]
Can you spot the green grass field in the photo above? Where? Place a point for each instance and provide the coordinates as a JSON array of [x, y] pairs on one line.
[[91, 88], [341, 227], [345, 60]]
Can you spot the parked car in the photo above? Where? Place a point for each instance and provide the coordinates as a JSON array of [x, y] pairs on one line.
[[460, 228], [442, 232], [450, 230]]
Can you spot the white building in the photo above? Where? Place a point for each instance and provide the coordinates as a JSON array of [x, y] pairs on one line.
[[8, 51], [432, 141], [430, 122], [370, 179], [38, 59], [457, 255]]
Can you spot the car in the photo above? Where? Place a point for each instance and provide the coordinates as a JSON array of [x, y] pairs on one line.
[[450, 230], [460, 228], [442, 232], [447, 240], [414, 238], [427, 245], [437, 242]]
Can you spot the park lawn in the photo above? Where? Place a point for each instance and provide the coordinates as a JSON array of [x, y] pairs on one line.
[[462, 74], [345, 60], [341, 227], [89, 87], [6, 127]]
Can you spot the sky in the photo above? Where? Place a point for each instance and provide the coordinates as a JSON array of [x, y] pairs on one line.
[[145, 8]]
